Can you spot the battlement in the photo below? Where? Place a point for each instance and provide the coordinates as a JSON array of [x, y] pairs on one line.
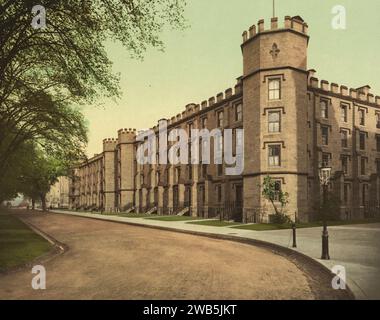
[[109, 144], [126, 135], [127, 131], [294, 23], [360, 94], [192, 108]]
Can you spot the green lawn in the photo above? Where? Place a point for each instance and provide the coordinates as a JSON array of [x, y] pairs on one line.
[[215, 223], [272, 226], [172, 218], [18, 243]]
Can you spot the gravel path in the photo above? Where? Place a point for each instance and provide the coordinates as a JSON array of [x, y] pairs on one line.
[[109, 260]]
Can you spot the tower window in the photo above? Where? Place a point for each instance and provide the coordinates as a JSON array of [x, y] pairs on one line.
[[378, 143], [362, 136], [325, 136], [345, 164], [378, 120], [277, 190], [325, 159], [346, 189], [324, 109], [378, 166], [239, 112], [274, 121], [363, 166], [344, 137], [274, 158], [362, 117], [343, 113], [274, 90]]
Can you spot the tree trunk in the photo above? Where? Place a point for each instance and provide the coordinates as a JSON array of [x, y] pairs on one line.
[[33, 204], [43, 202]]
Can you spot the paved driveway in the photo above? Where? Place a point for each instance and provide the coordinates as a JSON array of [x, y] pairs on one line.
[[117, 261]]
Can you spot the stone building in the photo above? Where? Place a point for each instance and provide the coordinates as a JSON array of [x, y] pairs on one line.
[[58, 196], [292, 124]]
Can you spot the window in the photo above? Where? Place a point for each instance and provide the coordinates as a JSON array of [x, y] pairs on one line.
[[345, 164], [274, 121], [344, 137], [219, 193], [364, 194], [378, 143], [324, 109], [220, 169], [274, 158], [325, 159], [220, 119], [346, 189], [277, 190], [325, 135], [190, 172], [378, 120], [362, 140], [362, 117], [189, 128], [239, 112], [274, 90], [378, 166], [343, 113], [362, 166], [204, 123]]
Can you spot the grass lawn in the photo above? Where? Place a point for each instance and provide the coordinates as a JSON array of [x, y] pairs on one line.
[[18, 243], [172, 218], [272, 226], [215, 223]]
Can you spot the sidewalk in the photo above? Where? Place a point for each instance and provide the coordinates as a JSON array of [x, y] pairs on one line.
[[356, 247]]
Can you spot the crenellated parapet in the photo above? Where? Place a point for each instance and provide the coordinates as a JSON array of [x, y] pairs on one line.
[[126, 135], [360, 94], [294, 23], [109, 144]]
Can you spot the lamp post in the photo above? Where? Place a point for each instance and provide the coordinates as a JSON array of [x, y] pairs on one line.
[[324, 177]]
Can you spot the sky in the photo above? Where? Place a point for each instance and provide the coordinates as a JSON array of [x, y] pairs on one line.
[[205, 59]]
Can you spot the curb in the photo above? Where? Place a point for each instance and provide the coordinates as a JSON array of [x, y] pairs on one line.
[[296, 257]]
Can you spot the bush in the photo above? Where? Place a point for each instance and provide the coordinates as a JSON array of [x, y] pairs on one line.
[[279, 218]]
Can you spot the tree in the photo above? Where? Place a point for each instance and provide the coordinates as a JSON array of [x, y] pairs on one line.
[[40, 173], [45, 72], [273, 195]]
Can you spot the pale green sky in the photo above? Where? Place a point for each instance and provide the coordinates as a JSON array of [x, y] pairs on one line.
[[206, 58]]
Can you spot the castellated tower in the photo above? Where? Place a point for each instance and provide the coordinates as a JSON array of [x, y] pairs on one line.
[[275, 85], [109, 183], [126, 168]]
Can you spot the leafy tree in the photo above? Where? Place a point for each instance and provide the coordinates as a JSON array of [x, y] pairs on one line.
[[274, 195], [40, 173], [45, 72]]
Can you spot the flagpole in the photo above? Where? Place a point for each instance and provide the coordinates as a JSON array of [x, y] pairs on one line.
[[274, 12]]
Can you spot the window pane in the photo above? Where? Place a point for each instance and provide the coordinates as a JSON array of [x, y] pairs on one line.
[[274, 89]]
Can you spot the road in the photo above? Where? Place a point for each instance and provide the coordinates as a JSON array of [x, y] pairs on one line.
[[108, 260]]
